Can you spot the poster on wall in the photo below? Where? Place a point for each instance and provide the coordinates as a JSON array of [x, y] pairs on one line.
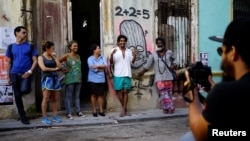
[[3, 70], [204, 58], [6, 37], [6, 95]]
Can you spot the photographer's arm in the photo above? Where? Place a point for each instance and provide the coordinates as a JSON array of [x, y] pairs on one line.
[[197, 123], [211, 81]]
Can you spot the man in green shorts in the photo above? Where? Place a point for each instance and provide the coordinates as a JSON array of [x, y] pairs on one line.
[[121, 58]]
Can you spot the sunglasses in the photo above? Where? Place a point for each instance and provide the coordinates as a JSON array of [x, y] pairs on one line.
[[219, 51]]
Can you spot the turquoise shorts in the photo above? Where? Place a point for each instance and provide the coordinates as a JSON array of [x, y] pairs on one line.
[[121, 83]]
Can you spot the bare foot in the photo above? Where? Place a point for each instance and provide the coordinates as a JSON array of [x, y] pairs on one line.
[[127, 113]]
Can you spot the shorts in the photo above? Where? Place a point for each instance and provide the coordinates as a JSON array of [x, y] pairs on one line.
[[97, 88], [121, 83], [51, 83]]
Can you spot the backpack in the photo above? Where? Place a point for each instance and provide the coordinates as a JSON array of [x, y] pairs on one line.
[[11, 55]]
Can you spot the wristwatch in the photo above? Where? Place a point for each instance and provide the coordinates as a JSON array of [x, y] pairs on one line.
[[29, 71]]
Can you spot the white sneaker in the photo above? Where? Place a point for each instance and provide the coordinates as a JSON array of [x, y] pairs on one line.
[[69, 116], [80, 114]]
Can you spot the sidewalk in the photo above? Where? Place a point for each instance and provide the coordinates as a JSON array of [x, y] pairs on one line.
[[110, 118]]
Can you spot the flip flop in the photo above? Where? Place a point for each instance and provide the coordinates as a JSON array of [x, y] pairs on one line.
[[128, 114], [122, 114]]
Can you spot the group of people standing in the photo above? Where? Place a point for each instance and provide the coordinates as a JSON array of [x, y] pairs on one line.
[[219, 112], [23, 58]]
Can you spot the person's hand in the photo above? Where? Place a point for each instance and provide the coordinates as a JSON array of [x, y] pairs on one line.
[[94, 67], [26, 75], [140, 73], [110, 75], [54, 54], [135, 52], [65, 70], [172, 66], [9, 81]]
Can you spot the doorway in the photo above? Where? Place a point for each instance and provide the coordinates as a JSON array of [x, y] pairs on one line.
[[86, 31]]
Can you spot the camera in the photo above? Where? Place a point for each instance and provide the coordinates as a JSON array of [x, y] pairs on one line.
[[198, 74]]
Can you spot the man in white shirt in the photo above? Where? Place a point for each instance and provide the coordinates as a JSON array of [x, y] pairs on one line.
[[121, 58]]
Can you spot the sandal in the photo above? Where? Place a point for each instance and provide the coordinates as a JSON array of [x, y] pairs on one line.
[[128, 114], [122, 114]]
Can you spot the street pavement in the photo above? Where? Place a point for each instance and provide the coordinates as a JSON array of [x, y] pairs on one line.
[[110, 118]]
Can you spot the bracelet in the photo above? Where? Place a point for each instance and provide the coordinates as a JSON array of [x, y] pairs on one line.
[[29, 71]]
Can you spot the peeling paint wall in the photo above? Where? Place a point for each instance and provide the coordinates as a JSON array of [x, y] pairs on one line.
[[136, 20], [139, 22]]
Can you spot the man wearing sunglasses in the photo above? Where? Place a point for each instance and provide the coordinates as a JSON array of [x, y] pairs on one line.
[[22, 60], [224, 114]]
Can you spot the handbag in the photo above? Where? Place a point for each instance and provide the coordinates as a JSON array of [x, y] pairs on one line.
[[171, 70]]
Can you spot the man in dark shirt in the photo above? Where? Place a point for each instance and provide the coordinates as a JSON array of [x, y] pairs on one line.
[[224, 114]]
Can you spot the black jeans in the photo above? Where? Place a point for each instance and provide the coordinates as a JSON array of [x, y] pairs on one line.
[[20, 86]]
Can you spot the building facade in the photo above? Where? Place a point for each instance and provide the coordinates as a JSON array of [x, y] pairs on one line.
[[186, 26]]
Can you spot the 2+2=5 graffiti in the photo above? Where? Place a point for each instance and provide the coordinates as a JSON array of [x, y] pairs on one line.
[[132, 12]]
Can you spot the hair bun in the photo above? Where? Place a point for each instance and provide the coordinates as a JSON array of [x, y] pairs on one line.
[[44, 42]]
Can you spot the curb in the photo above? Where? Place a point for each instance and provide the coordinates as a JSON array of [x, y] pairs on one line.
[[110, 119]]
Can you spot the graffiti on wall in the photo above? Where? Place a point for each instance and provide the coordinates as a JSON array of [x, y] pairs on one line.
[[134, 20], [136, 40]]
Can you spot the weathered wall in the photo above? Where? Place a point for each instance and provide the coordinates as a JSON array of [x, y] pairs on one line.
[[136, 20]]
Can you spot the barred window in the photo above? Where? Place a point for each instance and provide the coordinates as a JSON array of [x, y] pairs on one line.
[[241, 8]]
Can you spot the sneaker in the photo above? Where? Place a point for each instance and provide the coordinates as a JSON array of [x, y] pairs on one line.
[[46, 121], [57, 119], [69, 116], [80, 114]]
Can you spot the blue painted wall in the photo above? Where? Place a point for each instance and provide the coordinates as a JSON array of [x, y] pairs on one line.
[[214, 16]]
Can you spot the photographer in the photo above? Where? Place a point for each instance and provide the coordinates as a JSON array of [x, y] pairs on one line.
[[225, 109]]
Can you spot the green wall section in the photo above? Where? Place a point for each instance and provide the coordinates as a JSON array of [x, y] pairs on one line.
[[214, 16]]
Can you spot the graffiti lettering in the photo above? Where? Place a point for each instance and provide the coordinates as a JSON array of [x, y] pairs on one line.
[[132, 12]]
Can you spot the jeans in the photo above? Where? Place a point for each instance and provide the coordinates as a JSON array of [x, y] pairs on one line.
[[72, 89], [20, 86], [188, 137]]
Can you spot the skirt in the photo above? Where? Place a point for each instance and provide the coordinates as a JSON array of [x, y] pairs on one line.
[[97, 88]]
